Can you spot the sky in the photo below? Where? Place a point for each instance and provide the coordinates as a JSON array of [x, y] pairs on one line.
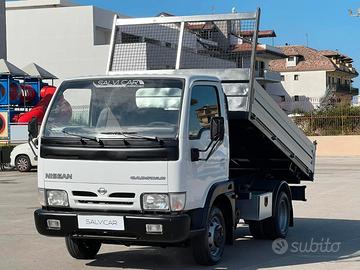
[[326, 23]]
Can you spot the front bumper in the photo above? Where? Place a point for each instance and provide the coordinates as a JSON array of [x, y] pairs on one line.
[[176, 228]]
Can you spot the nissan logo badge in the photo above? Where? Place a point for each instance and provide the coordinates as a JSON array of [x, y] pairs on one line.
[[102, 191]]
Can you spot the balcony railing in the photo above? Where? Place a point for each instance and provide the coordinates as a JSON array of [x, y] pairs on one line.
[[268, 75], [354, 91], [342, 88]]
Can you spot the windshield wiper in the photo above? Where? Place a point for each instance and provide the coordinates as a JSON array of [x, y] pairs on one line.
[[133, 135], [82, 137]]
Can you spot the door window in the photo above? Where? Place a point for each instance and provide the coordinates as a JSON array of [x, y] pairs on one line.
[[203, 107]]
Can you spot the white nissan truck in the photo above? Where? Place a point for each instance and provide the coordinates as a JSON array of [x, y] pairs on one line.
[[174, 146]]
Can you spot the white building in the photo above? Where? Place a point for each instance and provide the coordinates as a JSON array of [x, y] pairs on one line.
[[67, 39], [310, 78], [356, 101], [2, 30]]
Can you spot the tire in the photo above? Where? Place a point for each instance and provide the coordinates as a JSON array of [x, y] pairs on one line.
[[82, 249], [22, 163], [256, 229], [208, 247], [278, 225]]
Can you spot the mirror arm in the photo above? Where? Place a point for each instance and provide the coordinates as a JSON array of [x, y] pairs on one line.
[[218, 134], [30, 142], [207, 148], [211, 151]]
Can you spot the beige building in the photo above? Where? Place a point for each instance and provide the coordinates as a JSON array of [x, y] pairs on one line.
[[311, 78], [2, 30]]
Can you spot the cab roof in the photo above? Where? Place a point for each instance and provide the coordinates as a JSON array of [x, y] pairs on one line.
[[152, 75]]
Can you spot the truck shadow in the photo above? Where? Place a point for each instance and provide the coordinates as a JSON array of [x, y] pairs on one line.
[[310, 241]]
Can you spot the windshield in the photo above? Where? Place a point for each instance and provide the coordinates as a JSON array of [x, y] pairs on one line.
[[116, 108]]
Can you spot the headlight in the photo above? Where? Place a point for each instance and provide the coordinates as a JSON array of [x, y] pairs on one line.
[[41, 196], [57, 198], [164, 202], [177, 201], [155, 202]]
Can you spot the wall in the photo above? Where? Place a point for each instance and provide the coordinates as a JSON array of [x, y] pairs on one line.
[[60, 39], [103, 23], [2, 30], [337, 145], [310, 83], [310, 88]]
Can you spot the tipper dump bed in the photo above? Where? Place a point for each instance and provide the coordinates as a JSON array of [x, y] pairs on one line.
[[263, 138]]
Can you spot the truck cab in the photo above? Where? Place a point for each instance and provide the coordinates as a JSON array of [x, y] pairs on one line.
[[126, 145]]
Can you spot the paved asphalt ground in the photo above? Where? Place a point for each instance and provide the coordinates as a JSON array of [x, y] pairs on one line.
[[326, 233]]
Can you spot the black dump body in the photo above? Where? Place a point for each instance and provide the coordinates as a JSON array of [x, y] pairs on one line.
[[253, 154]]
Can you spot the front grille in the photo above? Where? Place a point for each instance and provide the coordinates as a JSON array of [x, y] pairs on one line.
[[88, 198], [122, 195], [104, 202], [84, 194]]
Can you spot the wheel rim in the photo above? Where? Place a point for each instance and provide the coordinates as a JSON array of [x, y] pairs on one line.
[[283, 216], [216, 236], [22, 164]]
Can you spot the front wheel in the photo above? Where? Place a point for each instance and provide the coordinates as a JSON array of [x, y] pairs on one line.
[[209, 246], [82, 248]]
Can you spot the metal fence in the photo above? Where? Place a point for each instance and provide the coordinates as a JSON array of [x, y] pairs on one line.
[[315, 125], [186, 42]]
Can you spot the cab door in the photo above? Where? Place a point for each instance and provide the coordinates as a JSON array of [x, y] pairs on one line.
[[206, 101]]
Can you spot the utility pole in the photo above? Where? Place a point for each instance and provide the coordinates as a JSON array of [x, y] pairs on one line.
[[354, 14], [2, 30]]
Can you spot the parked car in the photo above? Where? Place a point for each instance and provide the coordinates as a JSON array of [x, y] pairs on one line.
[[23, 157]]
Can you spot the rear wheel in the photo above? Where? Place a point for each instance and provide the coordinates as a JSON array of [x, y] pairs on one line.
[[209, 246], [82, 248], [276, 226], [256, 229], [22, 163]]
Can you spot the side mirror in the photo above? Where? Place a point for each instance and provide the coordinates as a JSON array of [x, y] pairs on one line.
[[33, 128], [217, 129]]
